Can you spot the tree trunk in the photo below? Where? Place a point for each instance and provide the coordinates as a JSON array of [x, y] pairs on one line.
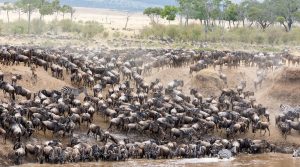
[[127, 19], [180, 19], [7, 16], [229, 24], [285, 27], [187, 20], [19, 14], [243, 22], [289, 22], [63, 15], [29, 18], [251, 24], [72, 16]]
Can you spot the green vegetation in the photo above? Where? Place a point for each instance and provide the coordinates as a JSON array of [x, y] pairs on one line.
[[212, 12], [194, 32], [153, 13], [251, 21], [44, 7], [39, 26], [83, 29], [169, 13]]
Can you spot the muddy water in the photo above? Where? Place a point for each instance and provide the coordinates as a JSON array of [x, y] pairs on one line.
[[263, 160]]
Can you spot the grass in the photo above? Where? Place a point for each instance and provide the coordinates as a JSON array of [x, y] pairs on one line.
[[87, 29], [194, 32]]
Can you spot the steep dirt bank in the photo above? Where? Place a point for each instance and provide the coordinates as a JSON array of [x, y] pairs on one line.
[[272, 93]]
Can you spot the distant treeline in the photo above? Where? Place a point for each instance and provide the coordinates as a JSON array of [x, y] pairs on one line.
[[247, 13], [44, 7]]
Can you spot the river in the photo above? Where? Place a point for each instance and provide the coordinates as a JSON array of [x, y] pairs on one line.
[[261, 160]]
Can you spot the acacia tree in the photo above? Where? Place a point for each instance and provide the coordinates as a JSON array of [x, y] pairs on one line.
[[153, 14], [287, 11], [262, 13], [7, 7], [169, 13], [45, 8], [231, 13], [64, 9], [56, 7], [28, 6], [72, 11], [18, 7], [186, 9]]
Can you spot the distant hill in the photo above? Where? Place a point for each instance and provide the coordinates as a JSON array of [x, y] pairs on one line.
[[127, 5]]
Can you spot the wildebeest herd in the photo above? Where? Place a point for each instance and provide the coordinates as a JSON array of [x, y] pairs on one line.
[[172, 123]]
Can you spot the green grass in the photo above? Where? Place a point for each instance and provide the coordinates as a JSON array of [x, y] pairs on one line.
[[87, 29], [194, 32]]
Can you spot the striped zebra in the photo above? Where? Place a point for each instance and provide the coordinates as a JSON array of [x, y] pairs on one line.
[[290, 112], [74, 92], [285, 108]]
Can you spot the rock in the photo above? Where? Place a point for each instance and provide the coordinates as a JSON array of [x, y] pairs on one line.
[[224, 154]]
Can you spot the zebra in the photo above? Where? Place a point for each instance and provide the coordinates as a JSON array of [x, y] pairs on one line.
[[290, 112], [72, 92]]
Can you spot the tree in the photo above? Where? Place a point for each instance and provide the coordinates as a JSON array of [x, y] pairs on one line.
[[199, 11], [262, 13], [169, 12], [287, 12], [231, 13], [7, 7], [65, 9], [153, 13], [45, 8], [72, 11], [18, 7], [56, 7], [186, 9], [28, 6]]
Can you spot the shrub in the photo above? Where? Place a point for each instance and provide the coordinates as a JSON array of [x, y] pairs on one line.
[[38, 26], [116, 34], [194, 32], [105, 34], [66, 25], [91, 29], [18, 27]]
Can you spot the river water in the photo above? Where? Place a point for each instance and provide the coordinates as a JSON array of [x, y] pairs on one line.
[[262, 160]]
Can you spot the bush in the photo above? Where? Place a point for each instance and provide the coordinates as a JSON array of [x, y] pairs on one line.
[[105, 34], [18, 27], [66, 25], [38, 26], [91, 29], [116, 34], [195, 32]]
